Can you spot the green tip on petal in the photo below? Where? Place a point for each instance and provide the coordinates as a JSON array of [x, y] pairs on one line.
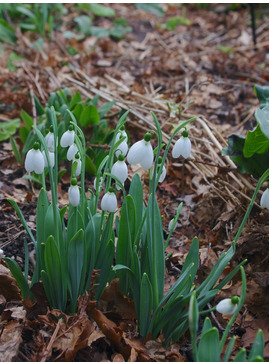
[[77, 156], [122, 128], [74, 182], [235, 300], [160, 160], [147, 137], [111, 190], [51, 129], [36, 146], [71, 128], [121, 157], [185, 133]]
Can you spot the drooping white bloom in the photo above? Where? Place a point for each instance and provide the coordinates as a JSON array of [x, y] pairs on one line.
[[77, 159], [163, 175], [99, 184], [120, 170], [72, 151], [1, 252], [123, 147], [49, 139], [265, 199], [228, 306], [73, 193], [141, 153], [67, 138], [51, 157], [34, 160], [182, 146], [171, 223], [109, 201]]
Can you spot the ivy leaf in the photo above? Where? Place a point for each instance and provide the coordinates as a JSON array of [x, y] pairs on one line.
[[262, 93], [256, 142], [262, 116]]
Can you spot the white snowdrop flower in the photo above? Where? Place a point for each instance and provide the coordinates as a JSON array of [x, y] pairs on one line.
[[100, 184], [120, 170], [171, 223], [1, 252], [77, 159], [182, 146], [141, 152], [68, 137], [228, 306], [121, 134], [163, 175], [34, 160], [72, 151], [265, 199], [73, 193], [109, 201], [49, 139], [51, 157], [122, 149]]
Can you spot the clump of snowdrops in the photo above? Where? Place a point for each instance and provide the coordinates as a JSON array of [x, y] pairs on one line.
[[73, 241]]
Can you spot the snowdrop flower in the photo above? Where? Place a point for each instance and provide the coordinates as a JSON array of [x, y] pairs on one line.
[[228, 306], [141, 152], [77, 159], [73, 193], [123, 147], [182, 146], [72, 151], [171, 223], [120, 170], [34, 160], [163, 174], [265, 199], [109, 201], [51, 157], [49, 139], [99, 184], [68, 137]]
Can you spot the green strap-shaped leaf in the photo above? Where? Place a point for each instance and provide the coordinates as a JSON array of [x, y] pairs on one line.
[[192, 258], [241, 356], [257, 349], [208, 349], [20, 279], [136, 191], [207, 325], [229, 349], [146, 305]]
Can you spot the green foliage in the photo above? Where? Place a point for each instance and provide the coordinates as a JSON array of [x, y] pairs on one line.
[[7, 33], [251, 154], [13, 57], [173, 22], [155, 9], [8, 128]]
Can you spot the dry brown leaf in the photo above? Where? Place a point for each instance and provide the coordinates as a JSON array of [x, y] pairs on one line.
[[8, 285], [251, 332]]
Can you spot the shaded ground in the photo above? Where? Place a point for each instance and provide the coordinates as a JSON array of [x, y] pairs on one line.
[[208, 68]]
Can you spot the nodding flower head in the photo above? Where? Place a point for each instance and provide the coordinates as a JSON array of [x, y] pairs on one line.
[[141, 152], [49, 139], [109, 201], [68, 137], [72, 151], [34, 160], [265, 199], [182, 146], [123, 146], [163, 173], [78, 169], [73, 193], [228, 306], [120, 170], [51, 158]]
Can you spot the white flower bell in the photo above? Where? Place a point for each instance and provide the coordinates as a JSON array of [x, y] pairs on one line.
[[100, 184], [68, 137], [51, 157], [34, 160], [265, 199], [49, 139], [78, 169], [141, 152], [182, 146], [163, 174], [120, 170], [123, 147], [72, 151], [73, 193], [228, 306], [171, 223], [109, 201]]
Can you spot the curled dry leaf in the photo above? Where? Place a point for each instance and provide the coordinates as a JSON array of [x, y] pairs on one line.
[[8, 285]]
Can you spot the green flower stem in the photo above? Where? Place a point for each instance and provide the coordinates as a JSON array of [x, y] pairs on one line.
[[263, 178], [240, 304]]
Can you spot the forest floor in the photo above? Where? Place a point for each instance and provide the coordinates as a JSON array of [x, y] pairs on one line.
[[207, 69]]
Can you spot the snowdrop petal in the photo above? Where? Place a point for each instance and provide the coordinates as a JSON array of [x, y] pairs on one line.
[[147, 160], [109, 202], [120, 170], [226, 307], [170, 225], [29, 160], [49, 139], [72, 151], [136, 152], [182, 147], [51, 157], [121, 134], [67, 138], [122, 149], [163, 175], [78, 170], [265, 199], [34, 161], [74, 195]]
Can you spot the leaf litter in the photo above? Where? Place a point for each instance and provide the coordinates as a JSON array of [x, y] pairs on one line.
[[208, 69]]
